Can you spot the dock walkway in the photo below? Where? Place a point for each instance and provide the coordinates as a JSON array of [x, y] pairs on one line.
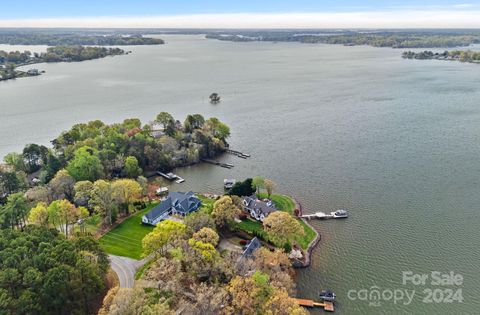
[[318, 215], [238, 153], [171, 176], [327, 306], [221, 164]]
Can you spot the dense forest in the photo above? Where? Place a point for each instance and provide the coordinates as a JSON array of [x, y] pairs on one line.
[[36, 38], [376, 39], [42, 272], [455, 55]]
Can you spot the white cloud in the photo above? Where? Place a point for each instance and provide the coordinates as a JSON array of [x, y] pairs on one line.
[[386, 19]]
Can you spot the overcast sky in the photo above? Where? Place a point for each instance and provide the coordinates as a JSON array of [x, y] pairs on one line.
[[241, 14]]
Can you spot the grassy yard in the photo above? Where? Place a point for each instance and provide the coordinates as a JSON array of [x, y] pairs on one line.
[[207, 204], [283, 203], [126, 238]]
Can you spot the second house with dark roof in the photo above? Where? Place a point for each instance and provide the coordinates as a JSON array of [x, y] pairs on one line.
[[258, 209], [177, 203]]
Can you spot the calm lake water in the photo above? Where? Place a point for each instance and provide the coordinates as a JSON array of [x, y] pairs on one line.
[[396, 142]]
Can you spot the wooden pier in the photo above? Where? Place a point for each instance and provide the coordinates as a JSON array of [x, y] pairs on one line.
[[171, 176], [218, 163], [317, 215], [327, 306], [339, 214], [238, 153]]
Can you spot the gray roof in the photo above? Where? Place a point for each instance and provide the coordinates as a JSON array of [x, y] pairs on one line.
[[182, 202], [160, 209], [254, 203], [252, 246]]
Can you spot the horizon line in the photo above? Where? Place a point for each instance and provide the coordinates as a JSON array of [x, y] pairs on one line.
[[403, 19]]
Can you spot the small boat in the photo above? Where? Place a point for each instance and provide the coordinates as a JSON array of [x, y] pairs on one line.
[[327, 295], [340, 214], [161, 191], [228, 183]]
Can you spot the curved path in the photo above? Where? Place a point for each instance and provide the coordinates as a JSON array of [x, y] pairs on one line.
[[125, 269]]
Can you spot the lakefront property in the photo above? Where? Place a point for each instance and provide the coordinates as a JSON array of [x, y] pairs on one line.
[[177, 203], [258, 209]]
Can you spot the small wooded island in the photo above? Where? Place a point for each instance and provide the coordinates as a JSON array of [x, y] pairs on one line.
[[455, 55], [9, 61]]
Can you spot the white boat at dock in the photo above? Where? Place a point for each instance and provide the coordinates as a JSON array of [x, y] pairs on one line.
[[161, 191], [228, 183]]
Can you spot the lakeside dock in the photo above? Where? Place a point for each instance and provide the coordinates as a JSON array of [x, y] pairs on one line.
[[238, 153], [327, 306], [171, 176], [339, 214], [218, 163]]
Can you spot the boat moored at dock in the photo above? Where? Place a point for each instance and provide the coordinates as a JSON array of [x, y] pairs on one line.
[[228, 183], [340, 214], [327, 295]]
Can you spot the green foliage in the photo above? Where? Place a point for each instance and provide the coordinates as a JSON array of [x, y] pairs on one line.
[[287, 247], [131, 168], [53, 165], [9, 183], [85, 165], [168, 123], [16, 161], [34, 156], [72, 38], [163, 234], [14, 213], [258, 182], [199, 220], [244, 188], [458, 55], [43, 273], [404, 39]]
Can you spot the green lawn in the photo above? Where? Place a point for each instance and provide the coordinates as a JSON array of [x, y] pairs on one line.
[[207, 204], [283, 203], [126, 238]]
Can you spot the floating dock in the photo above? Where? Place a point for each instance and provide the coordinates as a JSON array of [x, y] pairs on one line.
[[327, 306], [238, 153], [224, 165]]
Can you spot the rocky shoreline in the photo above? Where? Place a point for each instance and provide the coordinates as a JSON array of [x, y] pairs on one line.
[[308, 253]]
